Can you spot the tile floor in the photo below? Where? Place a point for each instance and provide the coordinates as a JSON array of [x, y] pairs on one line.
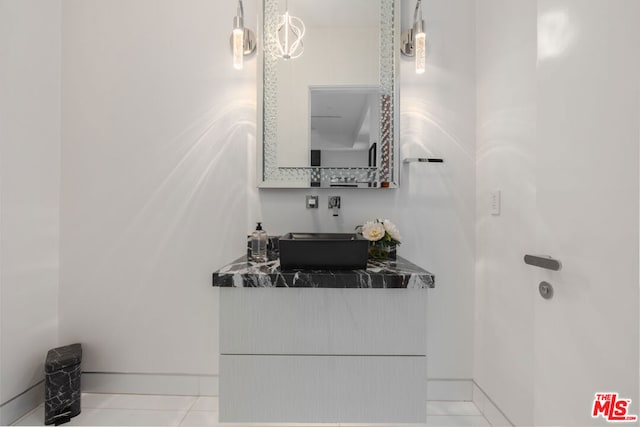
[[147, 410]]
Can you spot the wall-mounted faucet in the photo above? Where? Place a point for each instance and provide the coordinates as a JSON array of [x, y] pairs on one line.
[[334, 203]]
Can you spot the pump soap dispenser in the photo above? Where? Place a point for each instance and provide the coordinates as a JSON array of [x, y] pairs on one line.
[[259, 244]]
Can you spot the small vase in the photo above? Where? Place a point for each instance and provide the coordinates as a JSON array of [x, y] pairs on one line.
[[382, 251]]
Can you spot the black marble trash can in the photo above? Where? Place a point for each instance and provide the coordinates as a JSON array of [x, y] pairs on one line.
[[62, 384]]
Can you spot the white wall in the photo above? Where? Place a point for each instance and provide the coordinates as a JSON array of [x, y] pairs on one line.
[[159, 189], [29, 192], [506, 67], [157, 127]]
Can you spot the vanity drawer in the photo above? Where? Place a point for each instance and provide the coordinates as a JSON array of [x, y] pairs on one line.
[[320, 321], [323, 389]]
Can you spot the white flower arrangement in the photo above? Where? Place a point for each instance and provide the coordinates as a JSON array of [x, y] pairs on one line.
[[383, 231]]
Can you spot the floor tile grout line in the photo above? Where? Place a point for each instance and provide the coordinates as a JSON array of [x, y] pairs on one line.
[[184, 417], [435, 403], [206, 410]]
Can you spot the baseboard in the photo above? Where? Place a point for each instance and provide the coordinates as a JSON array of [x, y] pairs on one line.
[[145, 383], [490, 410], [450, 389], [15, 408], [207, 385]]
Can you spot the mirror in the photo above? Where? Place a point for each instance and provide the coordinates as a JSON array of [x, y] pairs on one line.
[[329, 117]]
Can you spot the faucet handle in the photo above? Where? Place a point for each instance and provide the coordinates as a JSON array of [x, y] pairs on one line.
[[334, 203]]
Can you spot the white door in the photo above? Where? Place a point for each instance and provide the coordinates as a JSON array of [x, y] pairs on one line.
[[586, 336]]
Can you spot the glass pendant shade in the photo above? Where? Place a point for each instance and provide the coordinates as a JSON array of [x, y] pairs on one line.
[[238, 48], [420, 52]]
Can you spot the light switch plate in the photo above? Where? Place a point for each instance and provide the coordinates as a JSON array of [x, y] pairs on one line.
[[495, 202]]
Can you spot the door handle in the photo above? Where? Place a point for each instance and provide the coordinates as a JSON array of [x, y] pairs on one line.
[[543, 261]]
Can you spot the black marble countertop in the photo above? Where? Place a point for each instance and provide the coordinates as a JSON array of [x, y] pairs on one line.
[[398, 273]]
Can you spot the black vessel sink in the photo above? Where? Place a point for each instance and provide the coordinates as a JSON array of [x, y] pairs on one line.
[[323, 251]]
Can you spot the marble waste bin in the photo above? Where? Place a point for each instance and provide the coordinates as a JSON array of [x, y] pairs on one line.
[[62, 384]]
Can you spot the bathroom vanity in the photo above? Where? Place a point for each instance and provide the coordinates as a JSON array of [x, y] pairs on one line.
[[323, 346]]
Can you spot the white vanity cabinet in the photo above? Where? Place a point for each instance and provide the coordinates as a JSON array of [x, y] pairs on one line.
[[323, 355]]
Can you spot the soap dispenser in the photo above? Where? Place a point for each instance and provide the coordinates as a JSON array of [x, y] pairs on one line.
[[259, 244]]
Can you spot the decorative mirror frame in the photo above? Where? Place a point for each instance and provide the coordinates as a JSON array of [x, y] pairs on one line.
[[269, 174]]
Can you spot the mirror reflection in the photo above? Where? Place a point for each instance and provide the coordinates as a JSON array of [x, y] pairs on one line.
[[344, 123]]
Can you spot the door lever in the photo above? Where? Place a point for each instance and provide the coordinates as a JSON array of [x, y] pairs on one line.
[[543, 261]]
